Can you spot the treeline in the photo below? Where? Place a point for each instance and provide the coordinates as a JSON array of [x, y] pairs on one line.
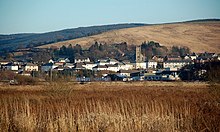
[[209, 71], [97, 51], [120, 51]]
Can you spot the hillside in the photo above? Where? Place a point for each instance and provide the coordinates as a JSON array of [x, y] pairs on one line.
[[10, 42], [198, 36]]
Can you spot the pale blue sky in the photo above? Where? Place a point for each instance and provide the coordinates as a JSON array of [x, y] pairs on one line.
[[34, 16]]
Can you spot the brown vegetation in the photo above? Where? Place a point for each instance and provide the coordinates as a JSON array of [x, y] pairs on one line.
[[199, 37], [141, 106]]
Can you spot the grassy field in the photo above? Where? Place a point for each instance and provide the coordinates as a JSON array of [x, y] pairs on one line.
[[126, 107]]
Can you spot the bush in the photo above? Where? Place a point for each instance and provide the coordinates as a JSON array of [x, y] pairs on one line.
[[25, 80], [7, 75]]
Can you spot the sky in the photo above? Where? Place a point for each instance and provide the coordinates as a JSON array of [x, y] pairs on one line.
[[38, 16]]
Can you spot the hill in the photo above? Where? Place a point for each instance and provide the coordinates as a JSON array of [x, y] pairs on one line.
[[199, 36], [11, 42]]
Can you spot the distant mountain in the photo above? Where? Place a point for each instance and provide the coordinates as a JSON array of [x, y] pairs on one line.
[[11, 42], [198, 35]]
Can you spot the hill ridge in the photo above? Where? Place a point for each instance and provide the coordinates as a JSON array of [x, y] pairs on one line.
[[199, 37]]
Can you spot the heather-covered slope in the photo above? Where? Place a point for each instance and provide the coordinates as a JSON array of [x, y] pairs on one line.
[[198, 36]]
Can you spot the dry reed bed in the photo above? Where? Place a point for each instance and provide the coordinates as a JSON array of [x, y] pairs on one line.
[[108, 107]]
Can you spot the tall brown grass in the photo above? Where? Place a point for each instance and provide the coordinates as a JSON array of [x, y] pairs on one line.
[[100, 107]]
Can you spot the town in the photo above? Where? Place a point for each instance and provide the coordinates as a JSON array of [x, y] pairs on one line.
[[83, 69]]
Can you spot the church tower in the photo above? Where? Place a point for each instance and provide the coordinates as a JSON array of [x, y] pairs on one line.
[[139, 59], [138, 55]]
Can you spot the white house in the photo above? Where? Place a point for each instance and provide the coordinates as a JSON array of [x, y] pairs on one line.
[[68, 65], [102, 62], [127, 73], [4, 62], [63, 60], [111, 67], [151, 64], [140, 65], [125, 66], [193, 56], [89, 65], [81, 59], [51, 61], [100, 68], [11, 67], [112, 61], [175, 63], [30, 67]]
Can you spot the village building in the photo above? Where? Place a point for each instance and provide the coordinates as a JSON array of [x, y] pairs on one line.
[[79, 66], [10, 66], [126, 73], [175, 63], [112, 61], [157, 58], [89, 65], [4, 62], [81, 59], [51, 61], [100, 68], [151, 64], [63, 60], [125, 66], [102, 62], [68, 65], [30, 67], [140, 65], [172, 58], [139, 61], [112, 67]]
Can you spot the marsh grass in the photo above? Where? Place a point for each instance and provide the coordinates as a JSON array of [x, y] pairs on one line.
[[108, 107]]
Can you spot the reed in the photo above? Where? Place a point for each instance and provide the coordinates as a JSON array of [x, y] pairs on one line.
[[116, 107]]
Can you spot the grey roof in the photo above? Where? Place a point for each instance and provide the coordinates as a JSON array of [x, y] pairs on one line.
[[128, 71], [100, 66], [110, 65], [30, 64], [48, 64], [177, 61]]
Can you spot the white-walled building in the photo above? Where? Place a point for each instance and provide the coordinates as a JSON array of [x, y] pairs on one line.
[[63, 60], [30, 67], [125, 66], [112, 61], [81, 59], [11, 67], [68, 65], [51, 61], [111, 67], [175, 63], [140, 65], [102, 62], [100, 68], [89, 65], [151, 64]]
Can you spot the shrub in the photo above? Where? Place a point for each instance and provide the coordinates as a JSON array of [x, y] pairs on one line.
[[25, 80]]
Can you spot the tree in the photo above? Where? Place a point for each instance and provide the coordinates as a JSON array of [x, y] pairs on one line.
[[78, 49]]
